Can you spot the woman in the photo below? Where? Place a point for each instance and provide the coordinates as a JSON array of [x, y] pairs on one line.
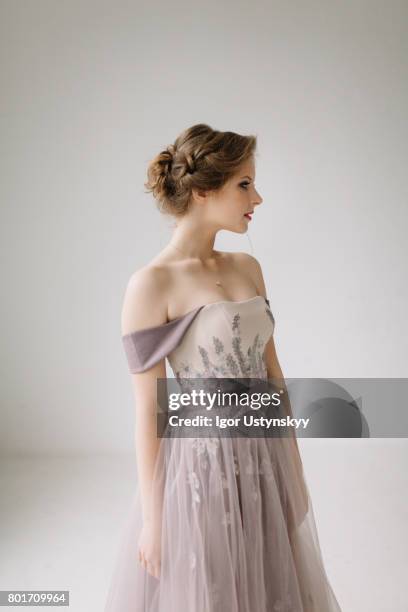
[[220, 524]]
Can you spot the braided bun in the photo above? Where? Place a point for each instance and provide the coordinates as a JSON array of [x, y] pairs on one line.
[[200, 158]]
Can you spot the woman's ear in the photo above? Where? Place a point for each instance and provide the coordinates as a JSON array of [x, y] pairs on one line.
[[199, 195]]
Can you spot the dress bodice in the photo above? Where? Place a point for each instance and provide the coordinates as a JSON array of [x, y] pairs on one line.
[[233, 499], [219, 339]]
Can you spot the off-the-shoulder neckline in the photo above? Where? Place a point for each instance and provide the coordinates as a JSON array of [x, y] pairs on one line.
[[218, 302]]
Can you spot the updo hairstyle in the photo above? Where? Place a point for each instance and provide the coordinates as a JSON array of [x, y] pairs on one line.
[[200, 158]]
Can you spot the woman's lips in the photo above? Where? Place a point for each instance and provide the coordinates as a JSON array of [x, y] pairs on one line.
[[248, 216]]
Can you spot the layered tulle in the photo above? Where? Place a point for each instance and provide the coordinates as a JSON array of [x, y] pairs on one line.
[[233, 514], [237, 531]]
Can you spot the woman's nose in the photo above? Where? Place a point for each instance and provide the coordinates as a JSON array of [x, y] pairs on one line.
[[259, 199]]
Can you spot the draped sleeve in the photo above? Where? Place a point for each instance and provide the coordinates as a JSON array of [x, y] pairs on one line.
[[146, 347]]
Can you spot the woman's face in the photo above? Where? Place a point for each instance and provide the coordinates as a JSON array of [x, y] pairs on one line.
[[226, 208]]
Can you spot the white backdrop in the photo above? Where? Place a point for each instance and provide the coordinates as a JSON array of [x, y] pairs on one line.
[[91, 91]]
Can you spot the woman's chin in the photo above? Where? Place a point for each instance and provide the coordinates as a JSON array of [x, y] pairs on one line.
[[244, 225], [240, 228]]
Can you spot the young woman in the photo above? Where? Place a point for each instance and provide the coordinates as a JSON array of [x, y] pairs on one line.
[[221, 524]]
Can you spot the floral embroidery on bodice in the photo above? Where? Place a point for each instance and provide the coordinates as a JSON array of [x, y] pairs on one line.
[[226, 340], [218, 339], [233, 505]]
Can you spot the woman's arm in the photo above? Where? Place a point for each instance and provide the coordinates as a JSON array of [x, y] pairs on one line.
[[274, 369], [275, 373], [299, 499], [144, 306]]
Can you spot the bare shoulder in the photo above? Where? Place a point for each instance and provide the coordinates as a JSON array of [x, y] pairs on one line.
[[250, 265], [145, 299], [249, 261]]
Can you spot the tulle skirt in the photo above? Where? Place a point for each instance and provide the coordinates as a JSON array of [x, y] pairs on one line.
[[238, 533]]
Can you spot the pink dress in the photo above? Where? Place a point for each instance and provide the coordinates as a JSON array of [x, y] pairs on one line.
[[238, 532]]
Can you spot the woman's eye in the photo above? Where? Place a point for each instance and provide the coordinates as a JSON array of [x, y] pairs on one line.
[[244, 185]]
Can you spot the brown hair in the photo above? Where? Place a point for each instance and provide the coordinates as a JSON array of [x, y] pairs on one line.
[[199, 158]]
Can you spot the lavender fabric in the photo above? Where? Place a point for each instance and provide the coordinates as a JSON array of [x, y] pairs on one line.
[[145, 347], [232, 516]]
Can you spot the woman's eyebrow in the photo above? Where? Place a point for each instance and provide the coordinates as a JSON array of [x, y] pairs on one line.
[[246, 176]]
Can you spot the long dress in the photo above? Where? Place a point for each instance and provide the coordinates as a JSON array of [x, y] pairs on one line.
[[238, 532]]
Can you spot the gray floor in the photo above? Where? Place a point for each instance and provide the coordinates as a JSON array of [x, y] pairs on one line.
[[61, 519]]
